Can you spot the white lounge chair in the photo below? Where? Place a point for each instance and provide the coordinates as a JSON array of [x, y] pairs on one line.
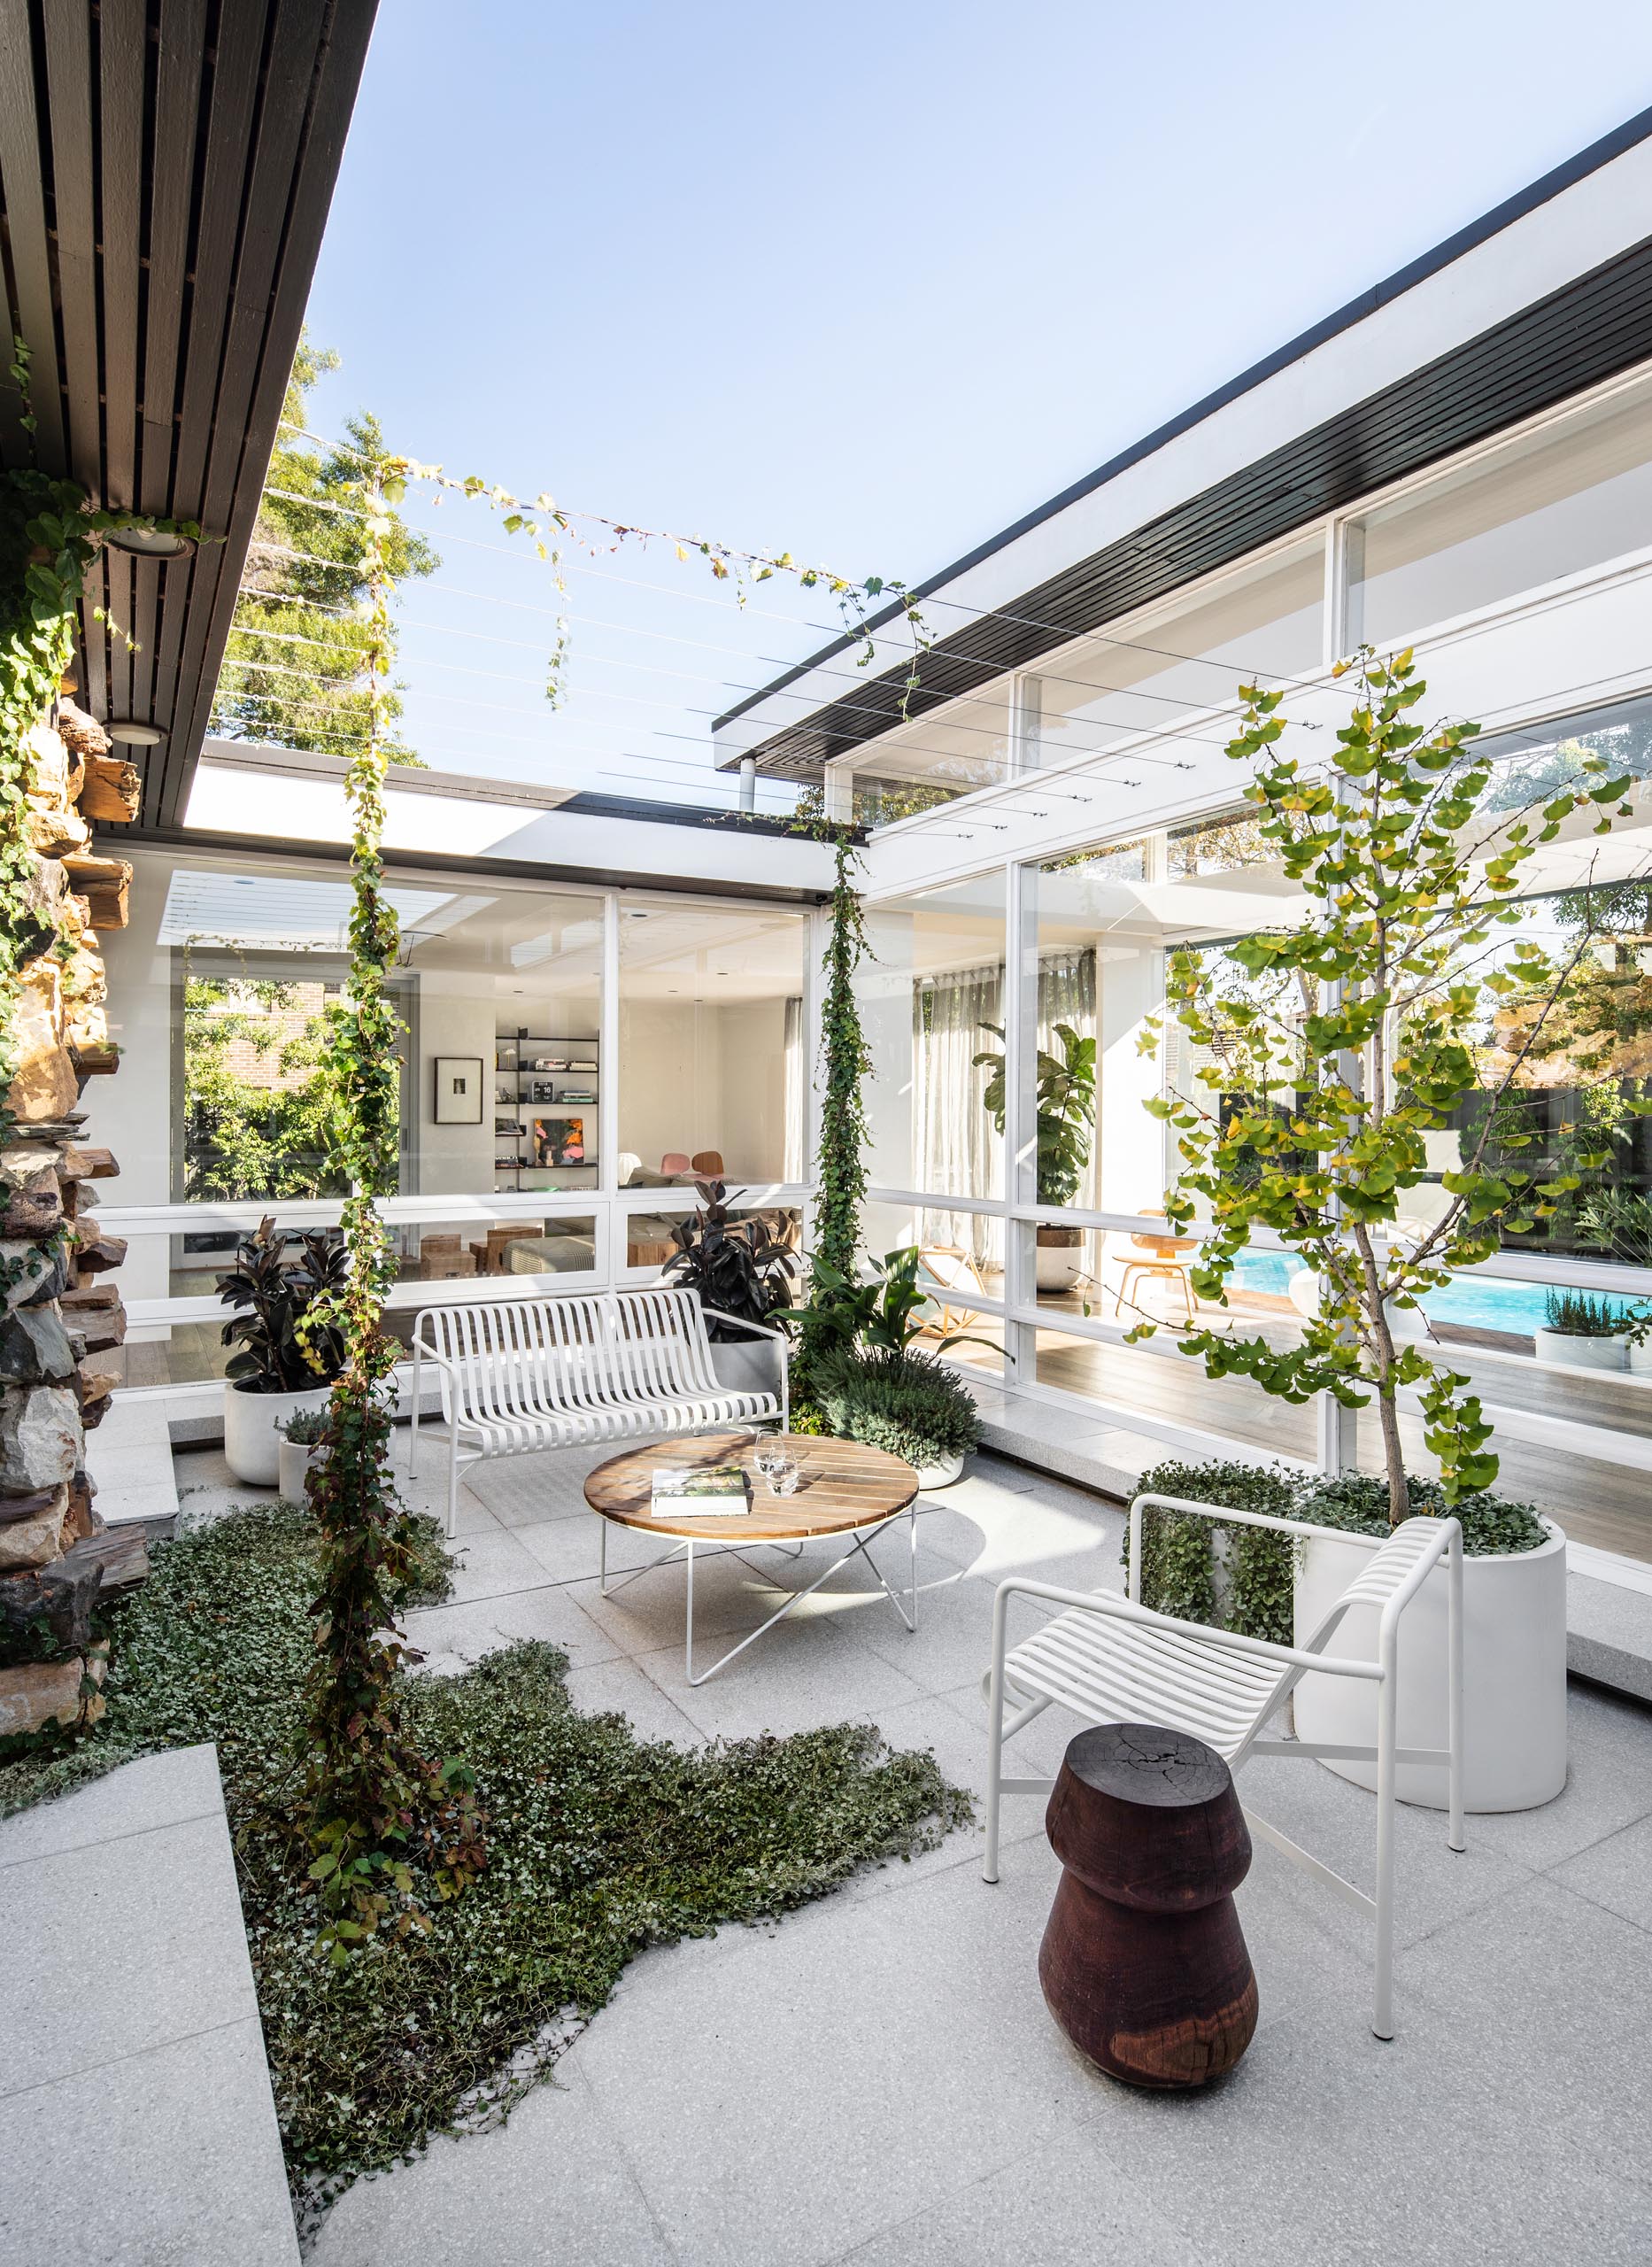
[[522, 1374], [1110, 1660]]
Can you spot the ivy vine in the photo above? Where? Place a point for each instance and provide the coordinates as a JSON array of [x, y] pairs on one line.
[[846, 1065], [374, 1801]]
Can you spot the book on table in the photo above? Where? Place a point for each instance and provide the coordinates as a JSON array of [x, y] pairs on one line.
[[713, 1491]]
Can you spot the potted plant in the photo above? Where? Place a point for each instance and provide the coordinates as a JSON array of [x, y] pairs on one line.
[[280, 1366], [903, 1402], [1582, 1332], [1637, 1335], [299, 1435], [743, 1275], [1333, 1049], [1066, 1120], [1264, 1585]]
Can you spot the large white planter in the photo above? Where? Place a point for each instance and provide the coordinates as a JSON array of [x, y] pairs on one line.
[[1566, 1350], [1640, 1360], [748, 1366], [252, 1443], [1514, 1672], [945, 1472]]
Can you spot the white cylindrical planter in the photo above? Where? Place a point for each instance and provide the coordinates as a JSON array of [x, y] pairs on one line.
[[1640, 1360], [1514, 1657], [943, 1472], [1566, 1349], [251, 1443]]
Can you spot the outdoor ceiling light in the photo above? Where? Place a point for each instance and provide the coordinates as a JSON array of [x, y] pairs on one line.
[[149, 543], [131, 732]]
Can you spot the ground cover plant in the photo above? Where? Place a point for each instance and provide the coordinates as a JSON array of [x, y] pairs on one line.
[[600, 1843]]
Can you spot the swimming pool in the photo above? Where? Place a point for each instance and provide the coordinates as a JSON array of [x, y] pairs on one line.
[[1477, 1302]]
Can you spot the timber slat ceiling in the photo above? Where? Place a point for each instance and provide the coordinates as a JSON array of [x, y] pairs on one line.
[[1595, 327], [166, 169]]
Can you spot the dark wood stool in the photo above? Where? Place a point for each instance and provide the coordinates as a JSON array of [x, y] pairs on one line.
[[1143, 1964]]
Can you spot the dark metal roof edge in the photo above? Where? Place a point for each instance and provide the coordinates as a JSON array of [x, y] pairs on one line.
[[1551, 185], [113, 842]]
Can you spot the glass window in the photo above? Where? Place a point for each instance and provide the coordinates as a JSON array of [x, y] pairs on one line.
[[943, 753], [1571, 496], [221, 988], [1266, 621], [648, 1235], [931, 999], [712, 1074]]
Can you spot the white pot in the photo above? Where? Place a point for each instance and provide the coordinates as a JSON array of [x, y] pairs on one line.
[[945, 1473], [294, 1459], [1514, 1672], [1565, 1350], [747, 1366], [252, 1443], [1059, 1265], [1640, 1360]]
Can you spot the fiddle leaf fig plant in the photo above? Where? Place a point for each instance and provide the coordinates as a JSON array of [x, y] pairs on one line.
[[1066, 1108], [1403, 1001]]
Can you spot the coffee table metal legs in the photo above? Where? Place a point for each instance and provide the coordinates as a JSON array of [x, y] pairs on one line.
[[686, 1548]]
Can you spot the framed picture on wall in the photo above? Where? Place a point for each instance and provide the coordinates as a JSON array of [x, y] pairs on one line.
[[459, 1090], [559, 1140]]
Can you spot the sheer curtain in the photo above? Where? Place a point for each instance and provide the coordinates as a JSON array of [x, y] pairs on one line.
[[955, 1147], [793, 1161]]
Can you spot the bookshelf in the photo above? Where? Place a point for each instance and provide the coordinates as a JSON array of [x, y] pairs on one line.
[[550, 1076]]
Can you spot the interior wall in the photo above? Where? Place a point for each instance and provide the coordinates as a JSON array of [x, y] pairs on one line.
[[671, 1090], [455, 1017], [752, 1107]]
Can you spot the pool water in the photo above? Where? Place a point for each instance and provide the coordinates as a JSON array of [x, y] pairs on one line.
[[1477, 1302]]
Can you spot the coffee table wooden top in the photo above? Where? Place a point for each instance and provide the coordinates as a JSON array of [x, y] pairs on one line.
[[841, 1486]]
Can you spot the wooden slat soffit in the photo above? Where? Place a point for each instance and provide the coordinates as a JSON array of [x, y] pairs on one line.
[[165, 167]]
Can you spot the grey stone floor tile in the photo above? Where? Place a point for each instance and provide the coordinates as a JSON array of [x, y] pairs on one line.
[[524, 1490], [1321, 2148], [171, 2158], [1336, 1821], [491, 1564], [117, 1946], [1549, 1975], [1062, 2204], [732, 1593], [455, 1636], [156, 1790], [620, 1686], [857, 2074], [953, 1644], [1616, 1873], [1609, 1785], [802, 1674], [552, 2184]]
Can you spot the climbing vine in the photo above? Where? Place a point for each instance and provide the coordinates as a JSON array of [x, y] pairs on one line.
[[846, 1064], [375, 1801]]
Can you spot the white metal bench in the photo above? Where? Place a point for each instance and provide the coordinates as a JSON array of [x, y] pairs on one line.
[[522, 1374]]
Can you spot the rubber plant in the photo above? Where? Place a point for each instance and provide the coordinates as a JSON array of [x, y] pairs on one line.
[[373, 1801], [1333, 1048]]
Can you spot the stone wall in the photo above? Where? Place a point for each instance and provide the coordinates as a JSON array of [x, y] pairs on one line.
[[60, 1315]]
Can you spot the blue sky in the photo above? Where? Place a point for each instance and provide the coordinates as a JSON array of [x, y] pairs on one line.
[[862, 285]]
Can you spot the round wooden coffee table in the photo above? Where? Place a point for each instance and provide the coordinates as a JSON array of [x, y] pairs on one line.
[[843, 1490]]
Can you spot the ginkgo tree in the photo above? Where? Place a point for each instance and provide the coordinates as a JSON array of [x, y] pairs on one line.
[[1332, 1048]]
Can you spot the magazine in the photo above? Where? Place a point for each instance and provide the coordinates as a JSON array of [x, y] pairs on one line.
[[717, 1491]]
